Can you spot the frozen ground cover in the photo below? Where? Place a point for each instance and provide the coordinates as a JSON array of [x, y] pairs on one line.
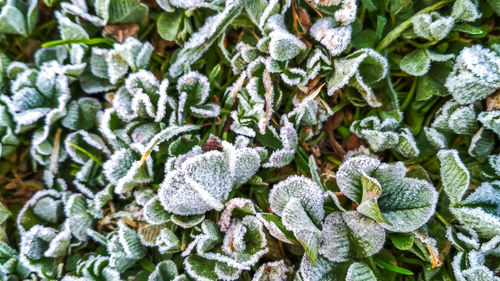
[[253, 140]]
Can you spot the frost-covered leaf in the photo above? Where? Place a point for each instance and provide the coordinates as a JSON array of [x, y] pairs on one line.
[[163, 136], [18, 17], [454, 175], [283, 45], [289, 141], [348, 235], [68, 29], [465, 11], [360, 272], [78, 216], [416, 63], [28, 218], [59, 245], [322, 270], [36, 241], [474, 211], [476, 74], [143, 96], [207, 179], [379, 135], [435, 138], [349, 175], [154, 213], [407, 145], [125, 170], [433, 26], [271, 271], [359, 69], [309, 110], [200, 185], [124, 248], [40, 94], [130, 241], [482, 143], [8, 140], [193, 89], [405, 203], [490, 120], [471, 267], [296, 219], [441, 121], [334, 38], [164, 271], [235, 207], [81, 114], [48, 208], [299, 202], [108, 12], [200, 41], [308, 192], [92, 144], [463, 120]]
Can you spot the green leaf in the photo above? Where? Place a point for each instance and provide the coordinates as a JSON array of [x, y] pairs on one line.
[[169, 24], [201, 41], [187, 221], [407, 204], [79, 218], [277, 222], [402, 241], [12, 20], [416, 63], [164, 271], [82, 114], [360, 272], [454, 175], [4, 213], [495, 4], [295, 218], [348, 235]]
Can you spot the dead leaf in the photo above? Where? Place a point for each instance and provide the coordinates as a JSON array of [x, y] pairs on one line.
[[330, 125], [353, 142], [268, 84], [120, 32], [161, 45], [493, 102]]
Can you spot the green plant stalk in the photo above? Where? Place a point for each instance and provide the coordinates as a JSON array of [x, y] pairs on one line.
[[92, 41], [82, 150], [409, 96], [394, 34]]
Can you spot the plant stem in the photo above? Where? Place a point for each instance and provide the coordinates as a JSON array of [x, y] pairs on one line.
[[92, 41]]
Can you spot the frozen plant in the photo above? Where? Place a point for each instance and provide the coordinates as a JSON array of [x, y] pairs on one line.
[[476, 74], [383, 135], [18, 17], [203, 182], [108, 12]]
